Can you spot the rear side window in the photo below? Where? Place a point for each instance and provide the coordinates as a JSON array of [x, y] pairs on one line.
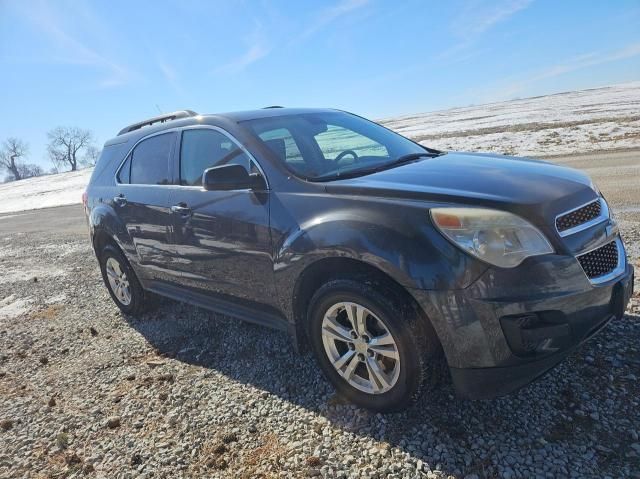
[[125, 172], [150, 160], [205, 148]]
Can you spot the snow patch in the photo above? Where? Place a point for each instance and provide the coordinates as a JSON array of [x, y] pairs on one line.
[[12, 308], [62, 250], [58, 298], [44, 191], [26, 272]]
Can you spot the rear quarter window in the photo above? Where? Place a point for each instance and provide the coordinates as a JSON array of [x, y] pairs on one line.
[[124, 175], [109, 160]]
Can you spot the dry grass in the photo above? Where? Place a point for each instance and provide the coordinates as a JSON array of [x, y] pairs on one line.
[[48, 313], [123, 388], [269, 452], [60, 465], [214, 454], [210, 456]]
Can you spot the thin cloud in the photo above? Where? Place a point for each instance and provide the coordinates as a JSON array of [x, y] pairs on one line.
[[170, 75], [578, 62], [478, 18], [591, 59], [253, 53], [258, 45], [70, 50], [329, 15], [257, 48]]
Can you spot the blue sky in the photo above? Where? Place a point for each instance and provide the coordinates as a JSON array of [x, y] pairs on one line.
[[103, 64]]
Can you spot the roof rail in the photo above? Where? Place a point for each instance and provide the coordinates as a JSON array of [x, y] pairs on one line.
[[269, 107], [158, 119]]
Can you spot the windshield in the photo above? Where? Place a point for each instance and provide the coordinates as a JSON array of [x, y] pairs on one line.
[[328, 145]]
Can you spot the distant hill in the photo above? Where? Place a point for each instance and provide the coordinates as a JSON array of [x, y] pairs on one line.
[[606, 118]]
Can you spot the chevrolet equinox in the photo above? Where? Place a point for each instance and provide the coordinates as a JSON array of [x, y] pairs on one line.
[[391, 261]]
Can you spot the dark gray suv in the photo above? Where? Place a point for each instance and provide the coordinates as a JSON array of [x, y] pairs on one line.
[[391, 261]]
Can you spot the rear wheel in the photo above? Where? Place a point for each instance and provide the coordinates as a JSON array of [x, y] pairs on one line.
[[371, 345], [121, 281]]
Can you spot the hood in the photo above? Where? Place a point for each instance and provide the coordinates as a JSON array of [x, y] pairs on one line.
[[483, 179]]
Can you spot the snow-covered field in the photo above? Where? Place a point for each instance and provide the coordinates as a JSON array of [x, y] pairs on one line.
[[600, 119], [605, 118]]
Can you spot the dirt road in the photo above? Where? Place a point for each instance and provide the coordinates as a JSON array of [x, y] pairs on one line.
[[616, 174]]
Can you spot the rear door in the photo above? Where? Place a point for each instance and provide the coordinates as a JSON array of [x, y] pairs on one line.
[[221, 238], [142, 202]]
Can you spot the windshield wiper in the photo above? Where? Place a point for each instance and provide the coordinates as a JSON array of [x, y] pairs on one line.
[[384, 166], [414, 156]]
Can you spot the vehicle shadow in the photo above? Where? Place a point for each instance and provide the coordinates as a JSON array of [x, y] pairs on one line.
[[547, 424]]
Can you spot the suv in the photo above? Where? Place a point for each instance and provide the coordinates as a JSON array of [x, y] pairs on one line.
[[390, 260]]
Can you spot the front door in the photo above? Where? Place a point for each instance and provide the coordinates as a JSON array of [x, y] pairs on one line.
[[221, 238]]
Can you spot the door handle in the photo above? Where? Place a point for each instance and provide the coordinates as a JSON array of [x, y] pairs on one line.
[[120, 200], [181, 209]]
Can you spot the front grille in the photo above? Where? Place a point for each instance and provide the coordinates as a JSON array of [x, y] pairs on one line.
[[600, 261], [580, 216]]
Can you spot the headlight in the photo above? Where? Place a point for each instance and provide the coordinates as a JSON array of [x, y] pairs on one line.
[[494, 236]]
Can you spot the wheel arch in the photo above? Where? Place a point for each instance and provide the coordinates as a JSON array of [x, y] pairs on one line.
[[106, 227], [102, 238], [331, 268]]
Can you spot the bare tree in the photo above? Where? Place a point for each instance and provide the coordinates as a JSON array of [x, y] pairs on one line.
[[66, 145], [91, 155], [12, 154], [29, 170]]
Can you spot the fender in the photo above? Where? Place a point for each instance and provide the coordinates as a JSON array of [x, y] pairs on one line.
[[399, 241], [103, 219]]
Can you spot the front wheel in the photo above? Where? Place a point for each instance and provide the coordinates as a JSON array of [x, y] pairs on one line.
[[372, 347]]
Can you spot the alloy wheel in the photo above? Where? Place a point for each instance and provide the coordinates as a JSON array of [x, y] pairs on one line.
[[118, 281], [360, 347]]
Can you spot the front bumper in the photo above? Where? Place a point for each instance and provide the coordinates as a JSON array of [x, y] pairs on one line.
[[512, 326]]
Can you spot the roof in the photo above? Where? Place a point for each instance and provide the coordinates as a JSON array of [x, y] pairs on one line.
[[188, 117], [269, 113]]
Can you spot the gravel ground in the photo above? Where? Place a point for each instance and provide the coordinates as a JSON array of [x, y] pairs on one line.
[[181, 392]]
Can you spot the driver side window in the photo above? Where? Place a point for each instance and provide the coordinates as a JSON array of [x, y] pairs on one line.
[[337, 139], [205, 148]]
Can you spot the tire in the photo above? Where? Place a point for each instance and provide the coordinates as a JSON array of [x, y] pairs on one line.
[[133, 303], [375, 383]]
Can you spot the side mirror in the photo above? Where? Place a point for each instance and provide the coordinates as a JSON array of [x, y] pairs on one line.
[[230, 177]]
